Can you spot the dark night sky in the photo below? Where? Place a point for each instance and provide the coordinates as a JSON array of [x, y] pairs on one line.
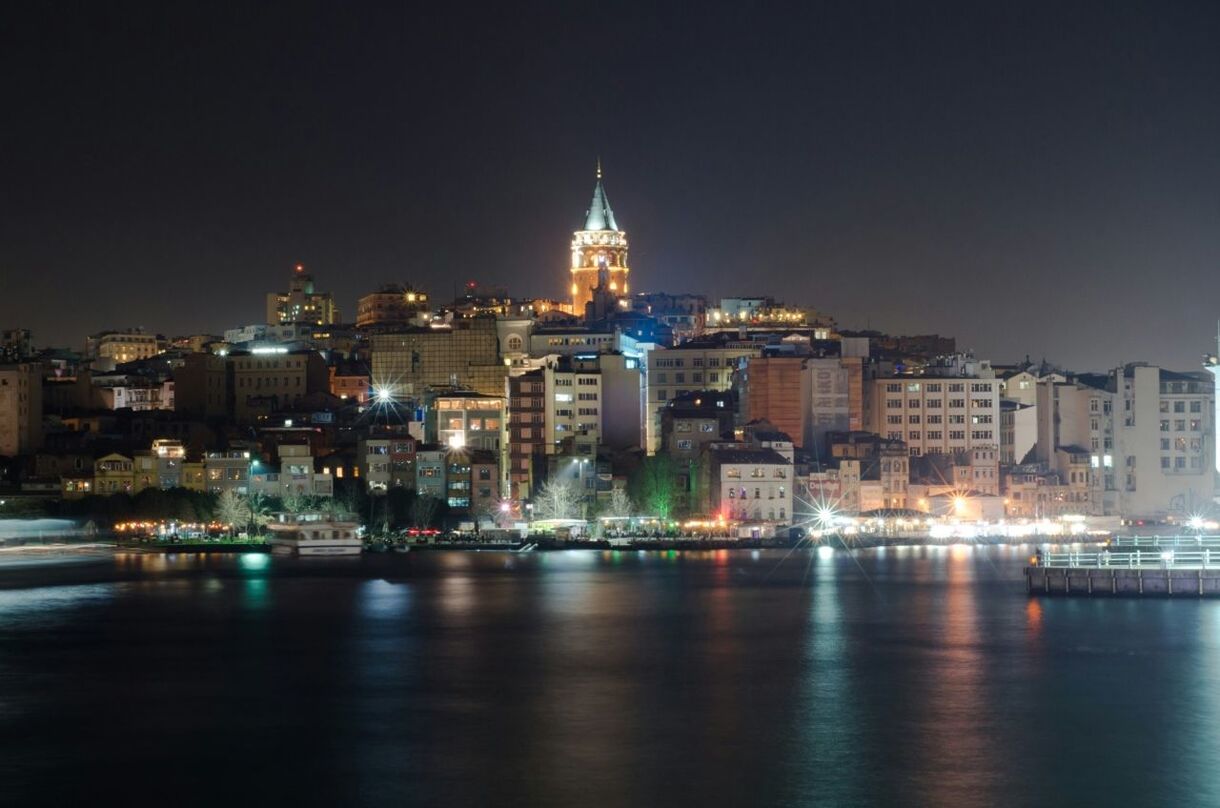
[[1037, 179]]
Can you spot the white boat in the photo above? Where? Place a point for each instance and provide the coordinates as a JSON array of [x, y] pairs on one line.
[[313, 534]]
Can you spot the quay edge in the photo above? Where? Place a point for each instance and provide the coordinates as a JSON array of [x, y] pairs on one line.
[[1123, 581]]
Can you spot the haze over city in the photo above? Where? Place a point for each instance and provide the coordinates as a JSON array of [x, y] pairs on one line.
[[1033, 179]]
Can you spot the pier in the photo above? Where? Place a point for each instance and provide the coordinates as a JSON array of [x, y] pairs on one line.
[[1169, 566]]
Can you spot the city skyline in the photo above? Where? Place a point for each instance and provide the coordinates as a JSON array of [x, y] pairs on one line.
[[1027, 192]]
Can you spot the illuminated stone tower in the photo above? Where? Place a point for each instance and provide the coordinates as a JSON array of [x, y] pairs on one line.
[[601, 245]]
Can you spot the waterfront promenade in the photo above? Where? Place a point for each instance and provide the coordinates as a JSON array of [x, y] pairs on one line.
[[1163, 566]]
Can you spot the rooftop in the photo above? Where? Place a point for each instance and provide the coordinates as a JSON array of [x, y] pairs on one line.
[[743, 455]]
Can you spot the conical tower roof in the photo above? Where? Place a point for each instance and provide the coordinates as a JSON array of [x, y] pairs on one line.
[[600, 217]]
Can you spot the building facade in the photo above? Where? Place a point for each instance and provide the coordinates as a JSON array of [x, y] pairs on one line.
[[392, 304], [937, 415], [465, 354], [706, 363], [302, 303], [117, 347], [526, 432], [20, 409], [747, 485]]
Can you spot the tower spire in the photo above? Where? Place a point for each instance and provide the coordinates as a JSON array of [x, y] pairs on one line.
[[599, 216]]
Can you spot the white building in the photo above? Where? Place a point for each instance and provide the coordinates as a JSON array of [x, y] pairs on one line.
[[375, 467], [1018, 430], [227, 471], [573, 402], [747, 485], [295, 477], [1148, 434]]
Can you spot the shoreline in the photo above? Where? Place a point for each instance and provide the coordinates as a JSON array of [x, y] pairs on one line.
[[639, 544]]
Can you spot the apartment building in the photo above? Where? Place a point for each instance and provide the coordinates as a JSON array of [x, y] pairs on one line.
[[704, 363], [938, 414], [20, 409], [525, 432]]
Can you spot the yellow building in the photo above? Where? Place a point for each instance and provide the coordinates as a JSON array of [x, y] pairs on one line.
[[75, 486], [193, 477], [124, 346], [600, 246], [392, 304], [114, 474]]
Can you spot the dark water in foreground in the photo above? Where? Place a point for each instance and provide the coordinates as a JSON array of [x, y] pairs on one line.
[[894, 677]]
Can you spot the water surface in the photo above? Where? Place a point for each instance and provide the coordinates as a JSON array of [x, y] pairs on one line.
[[896, 676]]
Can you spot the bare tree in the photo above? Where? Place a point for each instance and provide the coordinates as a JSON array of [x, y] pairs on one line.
[[558, 499], [619, 505], [423, 510]]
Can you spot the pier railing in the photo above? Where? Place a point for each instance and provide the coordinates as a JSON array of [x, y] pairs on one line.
[[1205, 558], [1184, 541]]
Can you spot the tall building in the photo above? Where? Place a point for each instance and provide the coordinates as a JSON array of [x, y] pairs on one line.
[[953, 407], [599, 246], [526, 427], [779, 389], [301, 303], [20, 409], [573, 407], [407, 363]]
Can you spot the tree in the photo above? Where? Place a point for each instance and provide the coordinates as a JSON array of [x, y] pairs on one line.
[[337, 507], [423, 510], [619, 505], [260, 511], [232, 510], [654, 485], [295, 502], [557, 499]]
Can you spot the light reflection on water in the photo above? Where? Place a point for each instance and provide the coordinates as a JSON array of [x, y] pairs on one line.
[[909, 675]]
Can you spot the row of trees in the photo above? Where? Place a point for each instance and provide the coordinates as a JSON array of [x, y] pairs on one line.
[[652, 490]]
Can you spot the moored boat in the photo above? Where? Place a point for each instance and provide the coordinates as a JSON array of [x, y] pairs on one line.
[[313, 534]]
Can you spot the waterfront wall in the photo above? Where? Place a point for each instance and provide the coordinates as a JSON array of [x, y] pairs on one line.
[[1146, 582]]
